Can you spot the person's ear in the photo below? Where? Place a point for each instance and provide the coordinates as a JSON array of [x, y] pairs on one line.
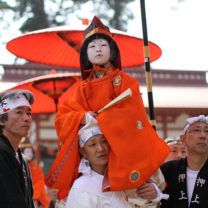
[[1, 122], [82, 152], [182, 138]]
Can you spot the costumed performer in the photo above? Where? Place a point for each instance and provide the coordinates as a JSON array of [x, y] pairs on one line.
[[103, 80]]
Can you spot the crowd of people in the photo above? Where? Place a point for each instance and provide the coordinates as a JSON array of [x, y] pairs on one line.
[[112, 159]]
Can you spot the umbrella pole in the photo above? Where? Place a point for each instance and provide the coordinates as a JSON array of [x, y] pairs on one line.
[[147, 65], [55, 99], [56, 103]]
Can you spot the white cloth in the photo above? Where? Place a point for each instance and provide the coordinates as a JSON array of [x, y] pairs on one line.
[[191, 179], [193, 120], [171, 141], [91, 128], [8, 104], [86, 192]]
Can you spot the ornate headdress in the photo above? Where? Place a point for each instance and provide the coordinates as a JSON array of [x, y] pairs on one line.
[[97, 29]]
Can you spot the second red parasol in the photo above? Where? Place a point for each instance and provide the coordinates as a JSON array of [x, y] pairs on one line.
[[49, 90]]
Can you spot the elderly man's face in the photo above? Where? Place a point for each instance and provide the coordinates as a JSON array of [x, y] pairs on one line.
[[18, 122], [196, 138]]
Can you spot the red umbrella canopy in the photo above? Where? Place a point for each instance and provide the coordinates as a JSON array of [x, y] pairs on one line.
[[60, 46], [49, 90]]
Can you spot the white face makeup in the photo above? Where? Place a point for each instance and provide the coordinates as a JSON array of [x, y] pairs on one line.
[[28, 152], [98, 51]]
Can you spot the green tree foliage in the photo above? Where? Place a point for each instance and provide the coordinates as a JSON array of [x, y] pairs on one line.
[[39, 14]]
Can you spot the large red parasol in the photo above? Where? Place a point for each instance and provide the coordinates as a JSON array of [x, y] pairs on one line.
[[49, 90], [60, 46]]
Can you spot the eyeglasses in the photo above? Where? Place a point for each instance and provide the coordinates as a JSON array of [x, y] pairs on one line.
[[198, 131]]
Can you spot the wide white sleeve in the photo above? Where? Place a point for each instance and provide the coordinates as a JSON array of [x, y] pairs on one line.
[[78, 198]]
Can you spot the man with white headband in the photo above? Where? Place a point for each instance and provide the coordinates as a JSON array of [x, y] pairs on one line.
[[178, 150], [86, 190], [15, 119], [187, 179]]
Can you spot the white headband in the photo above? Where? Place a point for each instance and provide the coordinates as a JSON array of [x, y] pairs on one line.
[[174, 142], [170, 141], [193, 120], [9, 104], [91, 128]]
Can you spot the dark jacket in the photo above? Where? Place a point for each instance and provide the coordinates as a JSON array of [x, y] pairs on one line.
[[175, 177], [15, 180]]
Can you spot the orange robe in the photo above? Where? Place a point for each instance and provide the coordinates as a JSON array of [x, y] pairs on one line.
[[136, 150], [39, 192]]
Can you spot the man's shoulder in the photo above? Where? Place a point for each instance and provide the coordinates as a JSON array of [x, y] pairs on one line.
[[6, 152], [89, 183], [82, 181], [174, 163], [173, 166], [3, 146]]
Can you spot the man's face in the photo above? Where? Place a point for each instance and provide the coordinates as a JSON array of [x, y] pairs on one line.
[[96, 150], [178, 151], [196, 138], [18, 122], [98, 51]]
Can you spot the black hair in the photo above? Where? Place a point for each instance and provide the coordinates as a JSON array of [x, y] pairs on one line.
[[3, 117]]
